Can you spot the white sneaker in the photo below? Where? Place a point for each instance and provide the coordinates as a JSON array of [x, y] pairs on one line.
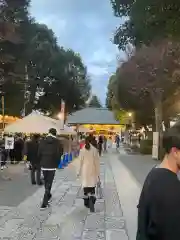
[[2, 168]]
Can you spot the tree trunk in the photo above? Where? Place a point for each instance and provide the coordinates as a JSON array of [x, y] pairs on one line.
[[159, 128]]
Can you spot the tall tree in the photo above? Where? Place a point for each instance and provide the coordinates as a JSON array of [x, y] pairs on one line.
[[147, 21], [32, 64], [13, 27], [122, 102], [94, 102], [153, 73], [40, 53], [68, 80]]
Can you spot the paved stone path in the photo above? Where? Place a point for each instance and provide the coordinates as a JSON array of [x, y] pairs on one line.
[[67, 219], [15, 185]]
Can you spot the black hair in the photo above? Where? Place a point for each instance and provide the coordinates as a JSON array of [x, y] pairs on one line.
[[171, 139], [87, 143], [36, 137], [53, 131]]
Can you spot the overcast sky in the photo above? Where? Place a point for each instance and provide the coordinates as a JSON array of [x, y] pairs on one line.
[[87, 27]]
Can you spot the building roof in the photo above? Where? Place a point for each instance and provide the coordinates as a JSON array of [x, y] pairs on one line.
[[92, 116]]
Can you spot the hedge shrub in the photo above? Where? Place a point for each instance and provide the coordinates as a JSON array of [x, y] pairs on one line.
[[146, 146]]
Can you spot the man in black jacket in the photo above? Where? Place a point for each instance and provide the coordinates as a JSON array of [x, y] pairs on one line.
[[50, 152], [158, 208], [31, 151]]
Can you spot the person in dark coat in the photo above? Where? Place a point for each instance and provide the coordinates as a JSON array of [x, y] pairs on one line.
[[32, 157], [18, 149], [158, 208], [100, 145], [49, 153], [4, 154], [93, 141]]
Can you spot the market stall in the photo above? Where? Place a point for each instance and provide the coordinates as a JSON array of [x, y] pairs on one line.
[[33, 123], [37, 123]]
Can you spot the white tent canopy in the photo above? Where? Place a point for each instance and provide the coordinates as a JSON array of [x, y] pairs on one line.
[[37, 123]]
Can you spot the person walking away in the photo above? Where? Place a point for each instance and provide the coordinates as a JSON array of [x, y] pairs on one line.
[[100, 144], [4, 155], [49, 153], [89, 172], [93, 141], [31, 152], [11, 156], [117, 141], [105, 144], [110, 142], [18, 149], [158, 208]]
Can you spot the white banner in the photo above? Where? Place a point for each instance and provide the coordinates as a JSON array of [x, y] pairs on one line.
[[9, 143]]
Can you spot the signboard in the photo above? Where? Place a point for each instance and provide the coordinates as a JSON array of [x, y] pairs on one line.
[[155, 147], [9, 143]]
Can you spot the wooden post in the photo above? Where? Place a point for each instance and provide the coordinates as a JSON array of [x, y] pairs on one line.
[[3, 117]]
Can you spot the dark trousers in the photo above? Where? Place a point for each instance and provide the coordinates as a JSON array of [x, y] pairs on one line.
[[100, 149], [4, 157], [88, 191], [48, 180], [35, 170], [18, 157], [11, 156]]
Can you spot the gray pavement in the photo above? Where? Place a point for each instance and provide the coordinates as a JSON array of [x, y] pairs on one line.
[[138, 165], [129, 172], [67, 219], [15, 185]]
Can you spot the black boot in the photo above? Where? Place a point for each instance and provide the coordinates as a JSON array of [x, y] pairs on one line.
[[92, 201], [86, 202]]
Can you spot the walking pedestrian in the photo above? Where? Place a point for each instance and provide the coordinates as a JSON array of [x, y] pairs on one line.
[[31, 152], [100, 145], [93, 141], [49, 153], [18, 149], [117, 141], [89, 171], [4, 155], [105, 144], [158, 209]]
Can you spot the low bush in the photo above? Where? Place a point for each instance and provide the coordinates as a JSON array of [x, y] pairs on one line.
[[146, 146]]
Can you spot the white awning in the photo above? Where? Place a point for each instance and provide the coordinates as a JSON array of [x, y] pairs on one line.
[[37, 123]]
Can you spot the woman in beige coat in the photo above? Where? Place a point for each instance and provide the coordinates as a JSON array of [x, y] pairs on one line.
[[89, 172]]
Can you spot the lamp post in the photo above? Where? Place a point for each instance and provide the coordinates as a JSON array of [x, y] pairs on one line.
[[61, 115], [3, 116], [26, 94]]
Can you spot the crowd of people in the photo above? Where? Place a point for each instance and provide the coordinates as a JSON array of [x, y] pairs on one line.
[[43, 153], [102, 143], [158, 208], [15, 155]]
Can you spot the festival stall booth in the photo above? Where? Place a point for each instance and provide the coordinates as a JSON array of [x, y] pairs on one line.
[[100, 121], [36, 123]]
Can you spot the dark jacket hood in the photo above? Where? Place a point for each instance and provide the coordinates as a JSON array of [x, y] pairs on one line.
[[50, 139]]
